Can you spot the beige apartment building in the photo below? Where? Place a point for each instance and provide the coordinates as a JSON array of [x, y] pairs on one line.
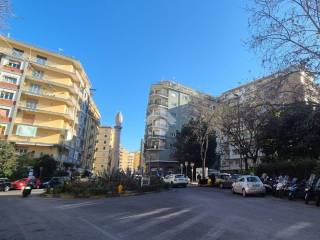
[[104, 150], [282, 88], [170, 105], [46, 106]]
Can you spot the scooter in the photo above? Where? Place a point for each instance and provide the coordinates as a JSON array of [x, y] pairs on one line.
[[310, 187], [26, 191], [317, 192], [296, 189], [281, 186]]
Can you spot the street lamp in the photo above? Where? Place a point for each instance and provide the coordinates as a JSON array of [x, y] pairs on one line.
[[186, 164], [181, 167], [191, 165]]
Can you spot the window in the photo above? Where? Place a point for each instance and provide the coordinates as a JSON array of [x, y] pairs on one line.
[[173, 134], [41, 60], [105, 142], [9, 79], [17, 52], [104, 148], [32, 104], [37, 74], [6, 95], [4, 112], [14, 64], [34, 88]]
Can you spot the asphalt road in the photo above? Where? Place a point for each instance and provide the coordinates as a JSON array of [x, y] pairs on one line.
[[191, 213]]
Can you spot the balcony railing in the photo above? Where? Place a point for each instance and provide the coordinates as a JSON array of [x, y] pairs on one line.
[[51, 95], [45, 109], [73, 87], [26, 57]]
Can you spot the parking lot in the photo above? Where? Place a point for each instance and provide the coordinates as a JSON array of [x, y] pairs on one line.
[[190, 213]]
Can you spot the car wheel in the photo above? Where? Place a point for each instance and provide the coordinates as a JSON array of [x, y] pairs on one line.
[[221, 185], [6, 188], [244, 194]]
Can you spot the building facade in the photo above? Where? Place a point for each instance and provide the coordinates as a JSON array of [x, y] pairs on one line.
[[104, 150], [170, 106], [278, 89], [44, 102]]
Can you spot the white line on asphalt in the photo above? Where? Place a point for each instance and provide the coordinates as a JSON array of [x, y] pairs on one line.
[[146, 214], [292, 230], [156, 221], [180, 227], [101, 230], [174, 214], [76, 205]]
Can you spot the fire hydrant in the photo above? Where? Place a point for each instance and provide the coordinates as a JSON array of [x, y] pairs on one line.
[[120, 188]]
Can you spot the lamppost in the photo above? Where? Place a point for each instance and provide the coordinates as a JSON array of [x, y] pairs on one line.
[[181, 167], [186, 164], [191, 165]]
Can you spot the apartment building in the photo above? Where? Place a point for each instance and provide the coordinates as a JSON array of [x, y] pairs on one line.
[[170, 106], [289, 86], [104, 150], [137, 162], [45, 103]]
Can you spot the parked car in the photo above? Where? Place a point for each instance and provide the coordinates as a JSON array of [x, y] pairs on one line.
[[5, 184], [223, 180], [21, 183], [55, 181], [176, 180], [247, 185]]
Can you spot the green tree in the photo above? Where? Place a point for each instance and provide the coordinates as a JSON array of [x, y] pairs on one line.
[[291, 132], [8, 159], [44, 167], [188, 144]]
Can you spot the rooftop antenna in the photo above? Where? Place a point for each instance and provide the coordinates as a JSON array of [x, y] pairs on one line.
[[8, 35], [60, 50]]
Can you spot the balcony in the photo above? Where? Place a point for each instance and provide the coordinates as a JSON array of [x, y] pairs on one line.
[[42, 125], [72, 88], [12, 69], [50, 95], [156, 93], [38, 140], [5, 119], [50, 65], [44, 109]]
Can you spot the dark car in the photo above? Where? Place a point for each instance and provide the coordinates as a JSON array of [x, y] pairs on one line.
[[55, 181], [5, 184]]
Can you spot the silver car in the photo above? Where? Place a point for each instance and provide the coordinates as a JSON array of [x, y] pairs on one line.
[[247, 185]]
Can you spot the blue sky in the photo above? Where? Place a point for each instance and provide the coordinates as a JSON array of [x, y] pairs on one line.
[[126, 45]]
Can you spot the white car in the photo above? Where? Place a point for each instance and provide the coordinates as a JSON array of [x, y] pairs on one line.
[[176, 180], [248, 185]]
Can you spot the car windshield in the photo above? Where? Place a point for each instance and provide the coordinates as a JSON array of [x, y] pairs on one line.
[[179, 176], [252, 179]]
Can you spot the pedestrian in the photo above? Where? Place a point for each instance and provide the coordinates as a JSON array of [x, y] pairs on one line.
[[198, 177]]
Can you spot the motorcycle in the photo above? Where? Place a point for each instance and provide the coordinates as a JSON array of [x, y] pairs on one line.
[[281, 186], [310, 189], [317, 192], [26, 191], [296, 189]]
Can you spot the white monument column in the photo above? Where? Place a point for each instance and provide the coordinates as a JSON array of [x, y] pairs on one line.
[[117, 132]]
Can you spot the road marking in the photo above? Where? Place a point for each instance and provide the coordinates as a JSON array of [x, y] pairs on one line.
[[174, 214], [146, 214], [180, 227], [76, 205], [292, 230], [101, 230]]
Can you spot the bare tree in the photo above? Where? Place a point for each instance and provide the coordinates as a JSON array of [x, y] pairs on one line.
[[286, 33], [203, 131], [239, 124]]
